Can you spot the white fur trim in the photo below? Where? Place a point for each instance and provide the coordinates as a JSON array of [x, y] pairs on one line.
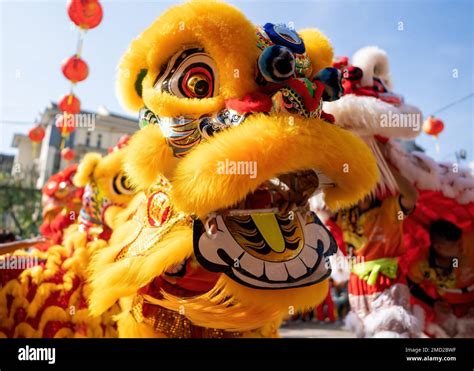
[[426, 174], [421, 170], [365, 115], [390, 315]]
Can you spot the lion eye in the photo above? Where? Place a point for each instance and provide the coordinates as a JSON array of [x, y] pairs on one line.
[[198, 85], [190, 73], [121, 185], [379, 86]]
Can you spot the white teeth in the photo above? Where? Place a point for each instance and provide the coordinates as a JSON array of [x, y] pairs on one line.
[[309, 256], [252, 265], [296, 267], [278, 183], [320, 232], [275, 271], [176, 268], [211, 228], [237, 212]]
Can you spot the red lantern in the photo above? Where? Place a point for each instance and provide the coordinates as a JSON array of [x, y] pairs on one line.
[[65, 124], [75, 69], [86, 14], [36, 134], [68, 154], [70, 104], [433, 126]]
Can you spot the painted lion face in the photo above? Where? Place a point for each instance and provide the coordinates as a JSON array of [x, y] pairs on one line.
[[106, 186]]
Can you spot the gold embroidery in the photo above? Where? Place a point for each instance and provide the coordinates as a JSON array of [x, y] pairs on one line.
[[150, 234]]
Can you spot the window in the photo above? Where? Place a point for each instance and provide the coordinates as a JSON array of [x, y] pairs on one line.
[[88, 139], [99, 140]]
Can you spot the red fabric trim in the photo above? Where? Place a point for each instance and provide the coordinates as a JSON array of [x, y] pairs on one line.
[[252, 102]]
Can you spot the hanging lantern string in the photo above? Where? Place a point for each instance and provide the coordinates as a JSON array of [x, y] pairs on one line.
[[79, 45], [452, 104], [80, 42]]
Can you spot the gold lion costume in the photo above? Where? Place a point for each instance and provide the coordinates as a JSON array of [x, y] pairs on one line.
[[220, 241]]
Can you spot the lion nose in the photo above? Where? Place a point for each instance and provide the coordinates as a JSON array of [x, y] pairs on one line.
[[277, 63]]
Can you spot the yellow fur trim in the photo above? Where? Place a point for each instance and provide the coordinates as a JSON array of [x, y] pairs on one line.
[[128, 327], [111, 280], [42, 293], [25, 330], [11, 288], [318, 48], [276, 147], [52, 313], [64, 333], [148, 155], [86, 169], [110, 215], [219, 28], [234, 307], [131, 208]]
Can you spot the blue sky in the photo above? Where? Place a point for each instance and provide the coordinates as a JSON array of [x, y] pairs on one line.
[[437, 38]]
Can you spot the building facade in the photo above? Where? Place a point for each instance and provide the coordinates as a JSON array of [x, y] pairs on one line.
[[93, 132]]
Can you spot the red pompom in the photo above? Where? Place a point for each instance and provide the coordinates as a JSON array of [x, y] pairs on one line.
[[253, 102]]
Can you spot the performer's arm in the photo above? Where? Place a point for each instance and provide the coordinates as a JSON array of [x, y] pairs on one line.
[[408, 193]]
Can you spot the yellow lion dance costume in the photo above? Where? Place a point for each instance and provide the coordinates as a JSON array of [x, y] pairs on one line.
[[220, 241], [48, 296]]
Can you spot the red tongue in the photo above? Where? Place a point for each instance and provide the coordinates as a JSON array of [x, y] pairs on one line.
[[260, 199]]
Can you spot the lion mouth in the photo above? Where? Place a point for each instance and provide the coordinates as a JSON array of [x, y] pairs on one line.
[[270, 239], [282, 194]]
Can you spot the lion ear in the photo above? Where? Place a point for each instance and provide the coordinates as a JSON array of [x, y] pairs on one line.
[[86, 169], [318, 48], [373, 61], [131, 72]]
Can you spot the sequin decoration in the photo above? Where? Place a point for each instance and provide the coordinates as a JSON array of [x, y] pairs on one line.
[[146, 117], [183, 133], [173, 324]]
